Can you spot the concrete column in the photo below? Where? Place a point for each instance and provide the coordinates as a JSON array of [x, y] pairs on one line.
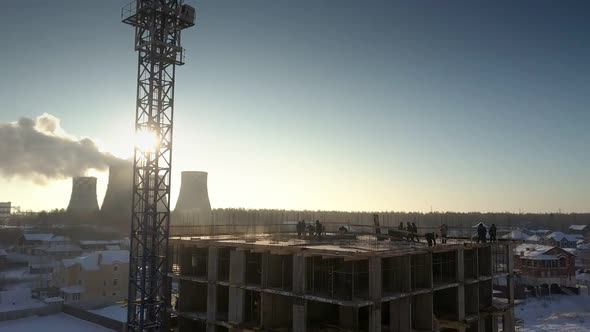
[[211, 306], [348, 317], [212, 264], [429, 268], [236, 305], [494, 320], [375, 283], [510, 279], [212, 271], [460, 265], [237, 276], [461, 302], [509, 321], [375, 289], [237, 267], [424, 312], [400, 315], [299, 274], [299, 315], [265, 268], [375, 317]]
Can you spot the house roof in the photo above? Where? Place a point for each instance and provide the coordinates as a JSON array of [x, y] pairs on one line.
[[38, 236], [59, 248], [559, 236], [73, 289], [3, 252], [100, 242], [534, 238], [584, 246], [92, 261], [531, 251], [577, 227], [515, 235]]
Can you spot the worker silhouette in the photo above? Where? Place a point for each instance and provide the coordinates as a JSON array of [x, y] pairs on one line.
[[481, 233], [492, 232], [318, 229]]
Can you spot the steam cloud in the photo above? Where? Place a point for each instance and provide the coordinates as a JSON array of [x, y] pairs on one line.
[[40, 150]]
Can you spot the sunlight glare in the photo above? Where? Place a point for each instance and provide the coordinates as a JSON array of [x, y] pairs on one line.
[[146, 141]]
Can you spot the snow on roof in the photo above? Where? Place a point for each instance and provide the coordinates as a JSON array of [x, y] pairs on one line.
[[534, 238], [53, 323], [583, 276], [59, 248], [542, 257], [92, 261], [570, 250], [584, 246], [73, 289], [37, 236], [100, 242], [18, 299], [3, 252], [559, 236], [515, 235], [529, 250], [116, 312], [53, 299], [577, 227]]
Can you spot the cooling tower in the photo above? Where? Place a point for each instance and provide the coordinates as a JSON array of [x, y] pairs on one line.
[[116, 206], [83, 199], [193, 201]]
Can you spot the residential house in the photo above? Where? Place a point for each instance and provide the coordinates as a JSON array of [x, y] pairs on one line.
[[583, 230], [562, 240], [95, 245], [537, 239], [541, 265], [516, 235], [48, 245], [583, 255], [94, 280]]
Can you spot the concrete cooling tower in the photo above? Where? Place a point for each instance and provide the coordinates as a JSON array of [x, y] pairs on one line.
[[116, 206], [193, 204], [83, 199]]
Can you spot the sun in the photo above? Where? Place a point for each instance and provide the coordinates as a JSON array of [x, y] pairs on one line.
[[146, 140]]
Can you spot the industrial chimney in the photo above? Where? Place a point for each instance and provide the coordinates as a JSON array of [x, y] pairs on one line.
[[193, 201], [83, 199], [116, 206]]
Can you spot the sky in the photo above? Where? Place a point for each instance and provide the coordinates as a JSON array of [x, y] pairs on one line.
[[331, 105]]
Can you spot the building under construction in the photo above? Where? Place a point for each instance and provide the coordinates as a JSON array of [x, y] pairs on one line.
[[341, 281]]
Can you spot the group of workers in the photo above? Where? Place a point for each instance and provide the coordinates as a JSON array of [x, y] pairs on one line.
[[311, 229], [411, 232], [411, 229], [482, 231]]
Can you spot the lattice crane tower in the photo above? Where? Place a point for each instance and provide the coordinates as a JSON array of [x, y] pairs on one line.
[[158, 24]]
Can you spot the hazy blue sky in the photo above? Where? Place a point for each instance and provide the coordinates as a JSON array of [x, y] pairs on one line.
[[334, 104]]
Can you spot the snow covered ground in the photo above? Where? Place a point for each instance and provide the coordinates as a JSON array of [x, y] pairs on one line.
[[563, 313], [116, 312], [54, 323]]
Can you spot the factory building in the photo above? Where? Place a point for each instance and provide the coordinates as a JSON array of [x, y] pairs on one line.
[[339, 282]]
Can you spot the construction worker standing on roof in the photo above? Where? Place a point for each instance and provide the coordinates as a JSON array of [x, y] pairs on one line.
[[492, 232], [443, 233], [318, 229], [415, 233]]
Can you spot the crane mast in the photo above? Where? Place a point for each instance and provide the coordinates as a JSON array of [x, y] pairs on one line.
[[158, 24]]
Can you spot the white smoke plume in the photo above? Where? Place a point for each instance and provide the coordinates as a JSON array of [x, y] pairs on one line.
[[40, 150]]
